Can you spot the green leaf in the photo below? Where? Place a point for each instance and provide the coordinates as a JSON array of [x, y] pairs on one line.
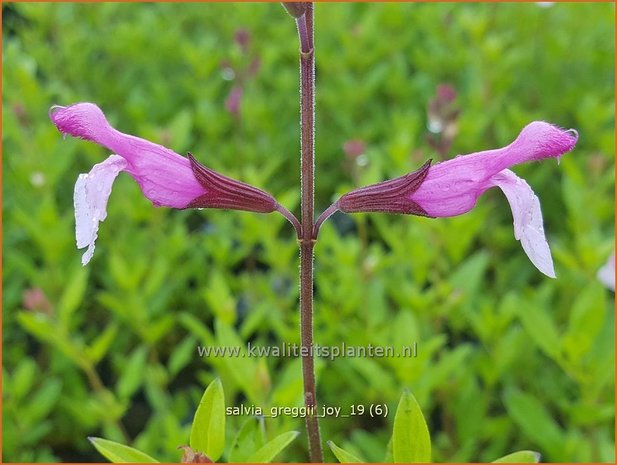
[[411, 441], [208, 430], [73, 295], [271, 449], [42, 402], [99, 347], [182, 355], [540, 327], [342, 455], [587, 316], [535, 421], [522, 456], [22, 380], [468, 277], [41, 327], [220, 299], [159, 328], [132, 373], [242, 368], [119, 453], [388, 457], [246, 441]]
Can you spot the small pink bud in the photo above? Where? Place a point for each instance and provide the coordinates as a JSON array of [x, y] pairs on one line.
[[353, 148], [233, 100], [35, 300], [243, 38]]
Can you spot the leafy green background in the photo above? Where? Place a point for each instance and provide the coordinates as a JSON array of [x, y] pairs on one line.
[[507, 359]]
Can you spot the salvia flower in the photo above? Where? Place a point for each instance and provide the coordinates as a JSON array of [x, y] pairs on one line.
[[452, 187], [166, 178]]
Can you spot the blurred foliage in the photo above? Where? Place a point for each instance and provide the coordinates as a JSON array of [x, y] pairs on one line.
[[207, 441], [507, 359]]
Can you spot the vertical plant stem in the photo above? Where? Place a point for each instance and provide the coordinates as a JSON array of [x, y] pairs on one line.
[[307, 242]]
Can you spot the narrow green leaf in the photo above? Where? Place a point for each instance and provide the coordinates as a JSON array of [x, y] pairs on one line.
[[468, 277], [271, 449], [342, 455], [246, 441], [535, 421], [41, 402], [587, 316], [21, 382], [242, 368], [41, 327], [38, 325], [99, 347], [388, 458], [182, 355], [220, 299], [73, 295], [119, 453], [411, 441], [522, 456], [159, 328], [197, 328], [541, 328], [208, 430], [132, 373]]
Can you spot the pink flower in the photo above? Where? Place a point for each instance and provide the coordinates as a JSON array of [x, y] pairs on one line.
[[233, 101], [452, 188], [166, 178]]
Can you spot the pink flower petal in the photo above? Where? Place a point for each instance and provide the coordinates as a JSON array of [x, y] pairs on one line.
[[165, 177], [527, 215], [92, 191]]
